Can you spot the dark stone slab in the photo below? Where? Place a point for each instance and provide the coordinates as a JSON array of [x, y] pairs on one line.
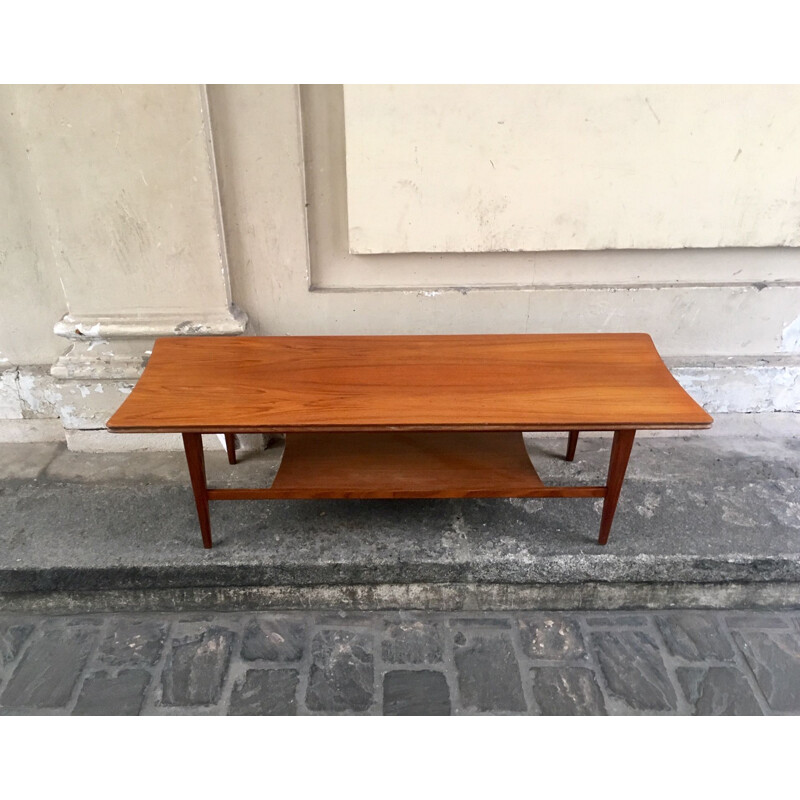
[[342, 672], [774, 658], [103, 695], [196, 667], [551, 637], [415, 693], [694, 636], [12, 637], [265, 692], [760, 620], [567, 690], [415, 642], [133, 643], [488, 673], [49, 669], [273, 639], [612, 620], [717, 691], [634, 670]]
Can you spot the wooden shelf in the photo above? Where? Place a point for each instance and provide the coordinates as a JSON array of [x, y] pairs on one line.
[[406, 465]]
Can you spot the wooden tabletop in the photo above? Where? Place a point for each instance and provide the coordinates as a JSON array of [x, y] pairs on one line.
[[482, 382]]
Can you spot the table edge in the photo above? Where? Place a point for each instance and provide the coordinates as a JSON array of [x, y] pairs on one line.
[[554, 428]]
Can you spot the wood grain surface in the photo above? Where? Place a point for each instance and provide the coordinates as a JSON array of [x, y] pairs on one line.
[[349, 383], [407, 465]]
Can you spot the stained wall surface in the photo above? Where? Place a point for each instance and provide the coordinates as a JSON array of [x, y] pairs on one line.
[[281, 156], [524, 168]]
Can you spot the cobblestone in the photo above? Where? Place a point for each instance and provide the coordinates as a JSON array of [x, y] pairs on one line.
[[415, 693], [196, 667], [414, 642], [272, 639], [488, 673], [694, 636], [104, 695], [266, 692], [402, 663], [342, 673], [566, 691], [49, 669], [718, 691], [774, 658], [551, 636]]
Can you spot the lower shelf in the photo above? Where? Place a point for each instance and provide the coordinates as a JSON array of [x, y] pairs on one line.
[[406, 465]]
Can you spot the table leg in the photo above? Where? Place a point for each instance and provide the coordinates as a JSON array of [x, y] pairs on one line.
[[230, 446], [620, 452], [193, 445], [573, 443]]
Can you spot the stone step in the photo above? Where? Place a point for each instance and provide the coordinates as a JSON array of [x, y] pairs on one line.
[[710, 523]]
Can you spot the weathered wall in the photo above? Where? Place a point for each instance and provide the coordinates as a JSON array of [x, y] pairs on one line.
[[121, 214], [726, 315], [31, 297], [111, 232], [527, 168]]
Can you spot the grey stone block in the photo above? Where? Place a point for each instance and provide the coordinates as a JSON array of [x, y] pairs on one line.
[[694, 636], [103, 695], [415, 693], [49, 669], [634, 670], [133, 643], [342, 672], [488, 673], [265, 692], [760, 620], [551, 637], [273, 639], [196, 667], [12, 637], [774, 658], [567, 690], [415, 642], [717, 691]]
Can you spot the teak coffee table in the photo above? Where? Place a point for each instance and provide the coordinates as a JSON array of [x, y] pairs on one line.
[[407, 416]]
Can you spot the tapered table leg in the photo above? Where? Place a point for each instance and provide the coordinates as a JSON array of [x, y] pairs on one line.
[[620, 452], [230, 446], [193, 445], [572, 444]]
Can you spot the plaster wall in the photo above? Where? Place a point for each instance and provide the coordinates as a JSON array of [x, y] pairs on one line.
[[110, 235], [131, 212], [281, 159], [526, 168], [123, 188]]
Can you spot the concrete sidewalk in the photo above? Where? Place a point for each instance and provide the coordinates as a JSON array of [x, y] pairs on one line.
[[703, 521]]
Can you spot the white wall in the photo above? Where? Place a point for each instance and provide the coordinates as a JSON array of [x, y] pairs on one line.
[[526, 168]]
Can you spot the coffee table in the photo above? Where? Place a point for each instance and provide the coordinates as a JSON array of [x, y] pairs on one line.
[[407, 416]]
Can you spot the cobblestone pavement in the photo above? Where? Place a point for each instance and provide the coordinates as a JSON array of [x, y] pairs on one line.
[[294, 662]]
